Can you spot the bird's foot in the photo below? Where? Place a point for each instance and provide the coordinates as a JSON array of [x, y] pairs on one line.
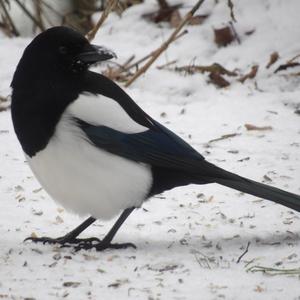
[[64, 241], [102, 245]]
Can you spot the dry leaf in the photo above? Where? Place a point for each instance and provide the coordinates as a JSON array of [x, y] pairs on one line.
[[164, 14], [3, 99], [210, 199], [254, 127], [223, 36], [71, 284], [4, 103], [273, 58], [218, 80], [250, 75], [197, 20], [175, 18], [33, 235], [259, 289]]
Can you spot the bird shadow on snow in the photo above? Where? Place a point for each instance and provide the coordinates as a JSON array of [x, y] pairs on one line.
[[196, 243], [179, 247]]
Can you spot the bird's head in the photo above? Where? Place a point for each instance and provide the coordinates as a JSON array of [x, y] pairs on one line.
[[58, 52]]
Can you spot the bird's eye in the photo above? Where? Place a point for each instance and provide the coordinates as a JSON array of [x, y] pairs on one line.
[[63, 50]]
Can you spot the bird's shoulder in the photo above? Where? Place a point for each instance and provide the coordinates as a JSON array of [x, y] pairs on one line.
[[114, 120], [99, 85]]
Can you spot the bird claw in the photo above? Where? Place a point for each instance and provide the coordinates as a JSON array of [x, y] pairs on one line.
[[104, 245], [64, 241]]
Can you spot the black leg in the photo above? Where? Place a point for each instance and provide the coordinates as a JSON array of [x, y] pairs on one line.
[[69, 238], [106, 242]]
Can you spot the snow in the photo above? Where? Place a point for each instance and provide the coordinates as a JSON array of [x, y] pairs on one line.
[[188, 239]]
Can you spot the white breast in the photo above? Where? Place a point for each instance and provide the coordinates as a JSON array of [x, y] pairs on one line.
[[83, 178]]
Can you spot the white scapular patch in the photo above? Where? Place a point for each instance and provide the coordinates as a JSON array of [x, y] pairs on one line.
[[101, 110], [84, 178]]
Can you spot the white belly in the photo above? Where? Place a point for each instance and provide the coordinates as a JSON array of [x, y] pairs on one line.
[[87, 180]]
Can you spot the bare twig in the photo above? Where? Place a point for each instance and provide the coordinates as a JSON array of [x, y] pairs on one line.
[[52, 11], [128, 61], [39, 11], [165, 45], [51, 8], [287, 66], [224, 137], [30, 16], [178, 36], [230, 5], [135, 64], [214, 68], [244, 253], [47, 18], [122, 72], [295, 74], [9, 19], [293, 59], [274, 271], [109, 7], [201, 260], [166, 65], [235, 33]]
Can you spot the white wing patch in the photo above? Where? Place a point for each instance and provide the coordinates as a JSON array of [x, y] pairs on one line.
[[83, 178], [101, 110]]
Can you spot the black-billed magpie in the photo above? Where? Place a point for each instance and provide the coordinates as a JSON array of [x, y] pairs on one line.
[[92, 147]]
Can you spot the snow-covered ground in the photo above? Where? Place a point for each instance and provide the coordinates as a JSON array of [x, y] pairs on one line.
[[189, 239]]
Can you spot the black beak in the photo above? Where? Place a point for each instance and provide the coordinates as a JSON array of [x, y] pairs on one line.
[[94, 54]]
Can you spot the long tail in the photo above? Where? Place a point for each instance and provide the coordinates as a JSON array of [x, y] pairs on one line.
[[254, 188]]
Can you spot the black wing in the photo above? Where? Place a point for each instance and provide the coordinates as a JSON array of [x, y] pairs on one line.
[[158, 148]]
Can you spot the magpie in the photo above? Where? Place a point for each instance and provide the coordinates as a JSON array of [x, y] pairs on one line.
[[93, 148]]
